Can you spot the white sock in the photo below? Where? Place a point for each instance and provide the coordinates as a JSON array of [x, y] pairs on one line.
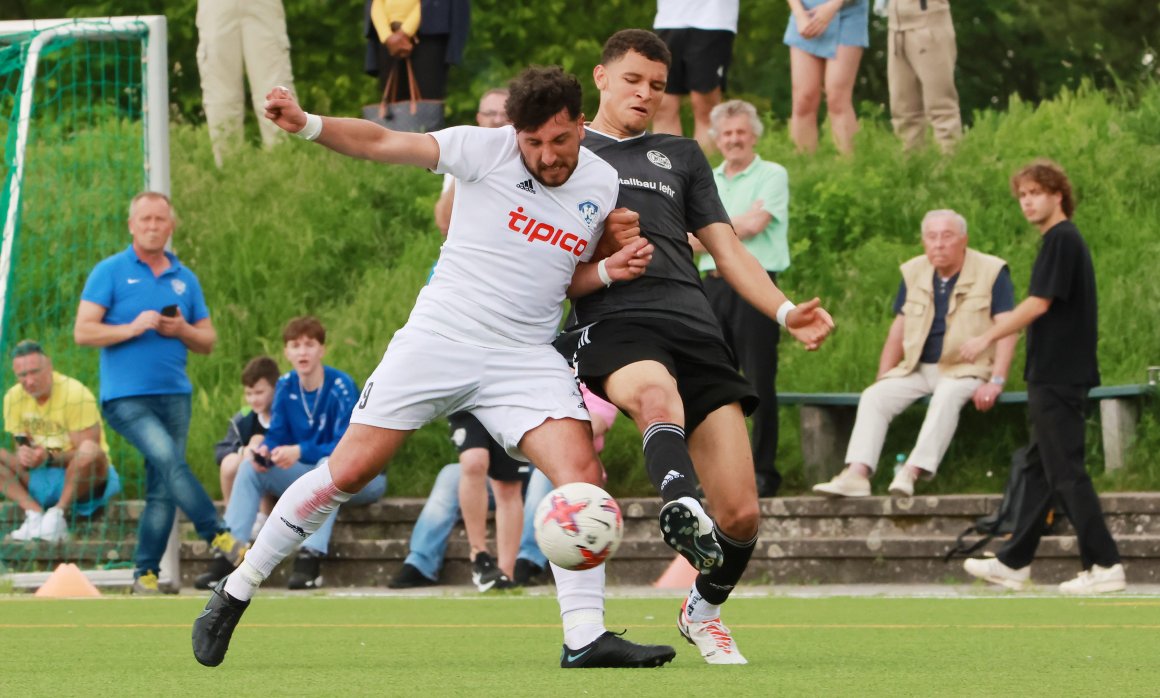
[[697, 609], [581, 598], [300, 511], [243, 581]]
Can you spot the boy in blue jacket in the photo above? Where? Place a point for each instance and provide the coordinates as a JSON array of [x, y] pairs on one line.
[[311, 412]]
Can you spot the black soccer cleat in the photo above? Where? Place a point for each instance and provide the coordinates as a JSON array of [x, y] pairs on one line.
[[214, 627], [685, 532], [611, 651]]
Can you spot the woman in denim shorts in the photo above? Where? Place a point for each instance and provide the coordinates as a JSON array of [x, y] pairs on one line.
[[826, 39]]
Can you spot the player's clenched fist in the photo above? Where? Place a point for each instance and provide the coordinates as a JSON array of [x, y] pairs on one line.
[[283, 110], [630, 261]]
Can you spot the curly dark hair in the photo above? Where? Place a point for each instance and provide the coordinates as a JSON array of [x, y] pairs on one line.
[[642, 41], [539, 93], [1049, 175]]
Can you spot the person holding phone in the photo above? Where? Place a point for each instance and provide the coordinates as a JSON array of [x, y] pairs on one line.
[[145, 390], [61, 461], [311, 412]]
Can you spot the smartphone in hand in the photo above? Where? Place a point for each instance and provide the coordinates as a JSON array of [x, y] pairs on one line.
[[23, 440], [260, 460], [169, 311]]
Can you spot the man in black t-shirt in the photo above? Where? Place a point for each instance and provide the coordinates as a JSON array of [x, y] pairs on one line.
[[653, 347], [1060, 313]]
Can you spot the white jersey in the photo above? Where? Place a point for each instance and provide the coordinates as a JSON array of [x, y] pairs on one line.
[[513, 243], [697, 14]]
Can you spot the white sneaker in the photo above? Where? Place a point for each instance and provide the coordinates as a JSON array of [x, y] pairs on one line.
[[845, 484], [990, 569], [902, 485], [711, 638], [259, 521], [53, 526], [1097, 580], [30, 529]]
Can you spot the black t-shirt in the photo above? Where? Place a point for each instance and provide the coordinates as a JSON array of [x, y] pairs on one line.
[[1061, 343], [668, 181]]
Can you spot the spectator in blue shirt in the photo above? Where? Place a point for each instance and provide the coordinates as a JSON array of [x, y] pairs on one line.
[[146, 311], [311, 412]]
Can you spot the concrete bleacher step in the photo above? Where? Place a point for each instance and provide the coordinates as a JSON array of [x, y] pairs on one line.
[[802, 540]]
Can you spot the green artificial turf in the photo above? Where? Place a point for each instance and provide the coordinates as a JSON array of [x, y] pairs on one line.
[[509, 646]]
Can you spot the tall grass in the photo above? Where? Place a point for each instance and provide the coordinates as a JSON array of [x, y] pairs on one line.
[[298, 229]]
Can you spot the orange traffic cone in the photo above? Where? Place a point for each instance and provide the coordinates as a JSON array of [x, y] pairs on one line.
[[679, 575], [67, 582]]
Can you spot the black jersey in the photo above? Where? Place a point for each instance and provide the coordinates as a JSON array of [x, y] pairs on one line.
[[668, 181]]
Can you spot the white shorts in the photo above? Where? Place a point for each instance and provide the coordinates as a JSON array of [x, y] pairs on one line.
[[424, 376]]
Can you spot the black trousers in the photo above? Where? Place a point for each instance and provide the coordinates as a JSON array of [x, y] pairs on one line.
[[753, 338], [1055, 460]]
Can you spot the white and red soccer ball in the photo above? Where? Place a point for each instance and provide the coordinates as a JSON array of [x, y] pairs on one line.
[[578, 526]]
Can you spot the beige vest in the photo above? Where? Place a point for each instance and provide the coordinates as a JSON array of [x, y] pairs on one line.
[[968, 314]]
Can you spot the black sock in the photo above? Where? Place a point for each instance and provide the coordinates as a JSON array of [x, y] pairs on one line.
[[666, 457], [716, 586]]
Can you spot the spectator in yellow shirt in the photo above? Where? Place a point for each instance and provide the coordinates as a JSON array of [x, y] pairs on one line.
[[61, 460]]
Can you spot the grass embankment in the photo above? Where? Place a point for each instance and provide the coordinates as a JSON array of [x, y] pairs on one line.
[[302, 230]]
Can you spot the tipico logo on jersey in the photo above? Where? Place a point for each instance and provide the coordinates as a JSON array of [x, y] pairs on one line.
[[590, 212], [659, 159], [535, 230]]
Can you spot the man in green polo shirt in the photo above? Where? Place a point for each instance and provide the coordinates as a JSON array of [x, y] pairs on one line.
[[756, 196]]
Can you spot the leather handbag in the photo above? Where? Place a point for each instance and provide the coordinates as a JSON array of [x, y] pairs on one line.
[[416, 114]]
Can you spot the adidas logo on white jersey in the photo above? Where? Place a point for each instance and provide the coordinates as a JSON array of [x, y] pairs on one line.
[[526, 185], [669, 477]]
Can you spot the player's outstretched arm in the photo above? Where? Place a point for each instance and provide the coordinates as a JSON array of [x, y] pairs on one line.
[[808, 323], [356, 138], [627, 264]]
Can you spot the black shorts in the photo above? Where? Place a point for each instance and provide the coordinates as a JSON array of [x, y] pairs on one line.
[[705, 370], [701, 59], [467, 432]]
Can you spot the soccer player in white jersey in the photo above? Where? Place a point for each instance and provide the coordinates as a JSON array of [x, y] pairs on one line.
[[530, 209]]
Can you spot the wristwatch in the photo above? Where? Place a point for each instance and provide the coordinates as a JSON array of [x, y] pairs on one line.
[[999, 380]]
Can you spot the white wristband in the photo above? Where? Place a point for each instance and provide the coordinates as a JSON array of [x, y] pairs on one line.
[[313, 128], [602, 271], [783, 310]]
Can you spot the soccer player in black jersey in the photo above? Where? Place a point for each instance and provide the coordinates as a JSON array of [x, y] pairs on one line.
[[654, 348]]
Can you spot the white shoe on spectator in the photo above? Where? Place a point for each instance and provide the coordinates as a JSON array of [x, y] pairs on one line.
[[53, 526], [1097, 580], [990, 569], [30, 529], [259, 521], [845, 484], [902, 485]]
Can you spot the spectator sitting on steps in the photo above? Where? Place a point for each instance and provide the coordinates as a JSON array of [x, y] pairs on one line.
[[947, 295], [61, 461]]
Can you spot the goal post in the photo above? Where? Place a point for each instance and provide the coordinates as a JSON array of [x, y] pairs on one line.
[[84, 118]]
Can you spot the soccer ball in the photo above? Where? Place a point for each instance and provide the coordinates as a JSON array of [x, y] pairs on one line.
[[578, 526]]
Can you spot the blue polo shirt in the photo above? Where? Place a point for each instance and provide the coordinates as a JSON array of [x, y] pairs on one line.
[[148, 364]]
